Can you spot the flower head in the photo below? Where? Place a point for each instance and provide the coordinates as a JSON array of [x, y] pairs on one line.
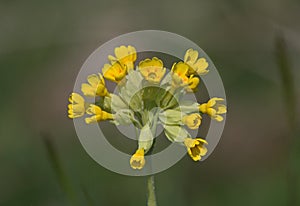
[[125, 55], [196, 148], [97, 114], [193, 121], [148, 97], [96, 86], [214, 108], [152, 69], [198, 66], [137, 160], [76, 108], [115, 72]]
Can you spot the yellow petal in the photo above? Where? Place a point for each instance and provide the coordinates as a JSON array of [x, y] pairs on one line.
[[125, 55], [93, 79], [180, 68], [154, 62], [221, 109], [121, 52], [115, 72], [200, 66], [88, 90], [71, 116], [211, 112], [189, 142], [92, 119], [132, 51], [218, 118], [76, 108], [106, 70], [203, 151], [213, 101], [202, 140], [112, 59], [76, 98], [193, 121], [193, 83], [190, 56], [94, 109]]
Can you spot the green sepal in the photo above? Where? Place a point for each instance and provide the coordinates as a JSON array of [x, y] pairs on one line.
[[187, 106], [125, 117], [171, 117], [145, 138], [117, 103], [176, 133]]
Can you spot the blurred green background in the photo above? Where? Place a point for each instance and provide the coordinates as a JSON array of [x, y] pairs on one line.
[[254, 44]]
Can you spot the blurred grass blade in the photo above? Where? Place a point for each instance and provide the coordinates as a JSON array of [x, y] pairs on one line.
[[290, 103], [87, 196], [58, 169], [285, 71]]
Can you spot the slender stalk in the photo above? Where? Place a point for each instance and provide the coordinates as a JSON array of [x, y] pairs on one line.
[[150, 181], [151, 191]]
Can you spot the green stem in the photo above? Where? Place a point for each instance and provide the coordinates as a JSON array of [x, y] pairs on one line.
[[151, 191], [167, 97], [150, 181]]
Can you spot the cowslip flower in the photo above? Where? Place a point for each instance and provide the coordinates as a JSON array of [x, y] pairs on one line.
[[152, 69], [197, 66], [96, 86], [179, 73], [196, 148], [145, 141], [192, 121], [137, 160], [214, 108], [115, 72], [125, 55], [76, 108], [97, 114], [180, 77]]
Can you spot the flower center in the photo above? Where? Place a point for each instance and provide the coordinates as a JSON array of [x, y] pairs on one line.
[[196, 121], [136, 163], [152, 75], [195, 151]]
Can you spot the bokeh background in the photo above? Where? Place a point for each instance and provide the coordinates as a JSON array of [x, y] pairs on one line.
[[254, 44]]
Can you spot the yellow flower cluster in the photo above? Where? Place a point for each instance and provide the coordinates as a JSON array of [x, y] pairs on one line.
[[143, 90]]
